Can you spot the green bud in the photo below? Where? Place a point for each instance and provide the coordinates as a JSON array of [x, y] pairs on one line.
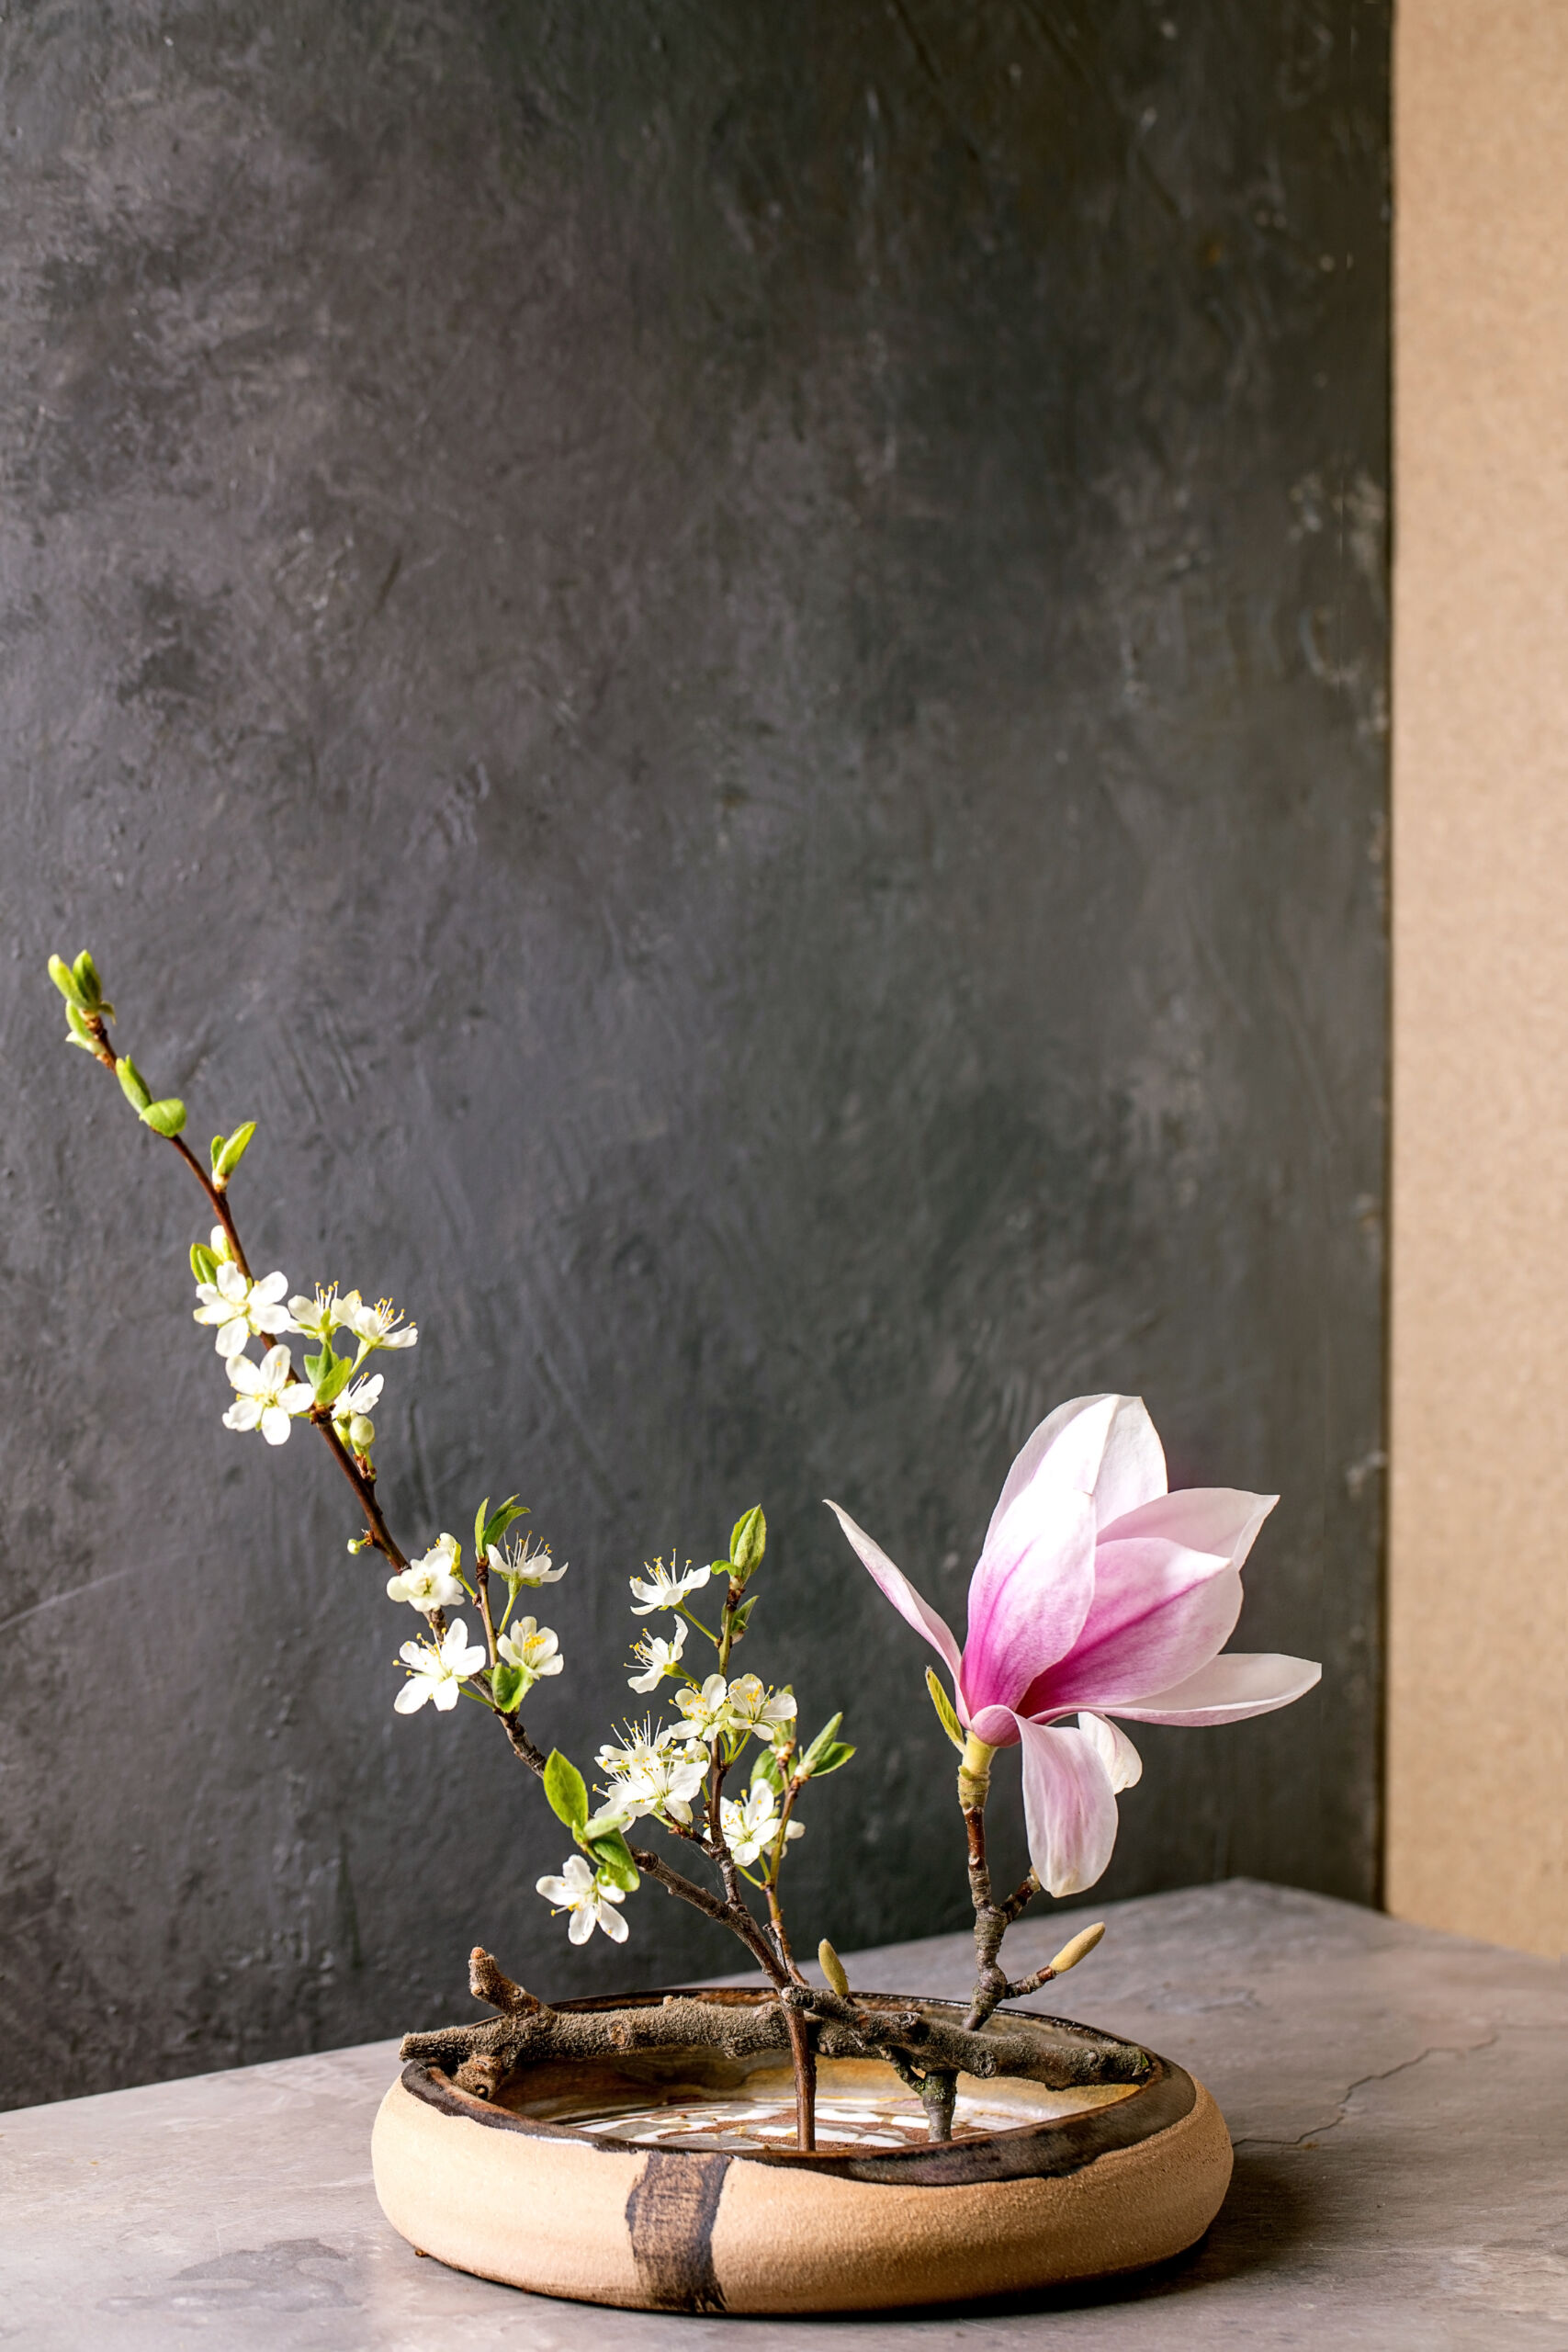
[[137, 1091], [70, 987], [947, 1713], [86, 974], [203, 1264], [833, 1969], [747, 1544], [329, 1375], [765, 1767], [166, 1118], [77, 1032], [738, 1620], [566, 1790], [819, 1746], [361, 1432], [226, 1157], [360, 1543]]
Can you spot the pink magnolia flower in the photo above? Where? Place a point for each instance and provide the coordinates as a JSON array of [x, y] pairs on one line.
[[1098, 1593]]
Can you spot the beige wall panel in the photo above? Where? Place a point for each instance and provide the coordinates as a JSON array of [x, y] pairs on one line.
[[1479, 1442]]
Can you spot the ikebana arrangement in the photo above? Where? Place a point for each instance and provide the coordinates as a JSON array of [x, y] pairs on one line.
[[1098, 1598]]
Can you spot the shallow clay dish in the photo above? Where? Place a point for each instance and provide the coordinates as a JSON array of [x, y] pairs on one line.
[[657, 2184]]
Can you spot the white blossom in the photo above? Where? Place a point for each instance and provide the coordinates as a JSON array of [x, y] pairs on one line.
[[589, 1900], [755, 1709], [358, 1402], [430, 1582], [528, 1563], [655, 1773], [663, 1589], [533, 1647], [267, 1400], [374, 1327], [658, 1657], [752, 1822], [239, 1307], [436, 1673], [643, 1746], [320, 1317], [706, 1711]]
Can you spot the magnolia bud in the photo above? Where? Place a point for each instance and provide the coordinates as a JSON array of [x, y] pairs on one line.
[[1082, 1944], [833, 1969]]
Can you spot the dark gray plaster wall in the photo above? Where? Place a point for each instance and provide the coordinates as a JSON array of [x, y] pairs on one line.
[[729, 664]]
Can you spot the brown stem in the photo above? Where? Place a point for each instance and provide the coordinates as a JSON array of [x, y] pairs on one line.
[[219, 1202], [803, 2058]]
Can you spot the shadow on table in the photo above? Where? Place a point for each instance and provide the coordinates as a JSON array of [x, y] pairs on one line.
[[1269, 2210]]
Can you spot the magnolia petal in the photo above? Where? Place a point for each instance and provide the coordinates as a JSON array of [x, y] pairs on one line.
[[1228, 1689], [1117, 1753], [1100, 1445], [895, 1586], [1029, 1596], [1158, 1614], [1204, 1519], [1070, 1808]]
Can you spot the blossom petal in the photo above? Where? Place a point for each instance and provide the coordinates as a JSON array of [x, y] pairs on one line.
[[412, 1695], [274, 1424], [1100, 1445], [1118, 1756], [1070, 1808], [270, 1288], [1228, 1689], [1158, 1614], [1029, 1596], [895, 1586], [445, 1694], [579, 1927], [614, 1927], [1204, 1519]]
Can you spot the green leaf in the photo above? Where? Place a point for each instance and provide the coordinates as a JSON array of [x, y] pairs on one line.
[[566, 1790], [506, 1687], [315, 1365], [479, 1533], [335, 1374], [748, 1545], [832, 1756], [613, 1856], [86, 974], [231, 1154], [947, 1713], [819, 1747], [166, 1118], [213, 1149], [765, 1767], [203, 1264], [65, 980], [76, 1030], [496, 1525], [137, 1091], [738, 1624]]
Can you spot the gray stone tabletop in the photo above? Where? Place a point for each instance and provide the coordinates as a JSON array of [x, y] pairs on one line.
[[1398, 2100]]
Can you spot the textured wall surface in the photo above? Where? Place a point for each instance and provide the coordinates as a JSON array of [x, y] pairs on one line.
[[1478, 1622], [729, 665]]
